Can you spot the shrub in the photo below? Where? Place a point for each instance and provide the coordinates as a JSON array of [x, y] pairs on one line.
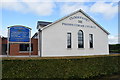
[[61, 68]]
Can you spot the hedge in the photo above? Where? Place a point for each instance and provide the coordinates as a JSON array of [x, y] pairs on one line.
[[83, 68], [114, 48]]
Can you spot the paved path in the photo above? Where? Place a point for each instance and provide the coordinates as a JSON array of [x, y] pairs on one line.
[[110, 77]]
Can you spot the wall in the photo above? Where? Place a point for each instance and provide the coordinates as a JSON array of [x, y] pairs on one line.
[[4, 46], [54, 39], [14, 48]]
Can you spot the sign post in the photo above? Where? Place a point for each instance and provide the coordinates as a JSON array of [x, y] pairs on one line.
[[8, 43], [30, 45], [19, 34]]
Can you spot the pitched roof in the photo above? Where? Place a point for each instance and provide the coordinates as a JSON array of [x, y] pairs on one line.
[[73, 14], [35, 35], [42, 23]]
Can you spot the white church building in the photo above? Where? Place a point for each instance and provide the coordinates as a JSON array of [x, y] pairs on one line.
[[74, 35]]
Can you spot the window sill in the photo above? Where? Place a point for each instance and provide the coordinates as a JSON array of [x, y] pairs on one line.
[[91, 48], [24, 51], [80, 48], [69, 48]]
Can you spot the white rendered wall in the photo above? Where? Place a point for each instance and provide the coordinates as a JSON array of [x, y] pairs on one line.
[[54, 39]]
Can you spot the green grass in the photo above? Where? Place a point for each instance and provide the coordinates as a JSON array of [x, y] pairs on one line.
[[61, 68]]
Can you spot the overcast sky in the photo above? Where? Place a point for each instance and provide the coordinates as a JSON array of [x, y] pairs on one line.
[[28, 12]]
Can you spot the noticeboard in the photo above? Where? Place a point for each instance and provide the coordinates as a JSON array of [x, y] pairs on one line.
[[19, 34]]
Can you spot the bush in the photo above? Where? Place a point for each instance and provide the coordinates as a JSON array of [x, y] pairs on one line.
[[61, 68], [114, 48]]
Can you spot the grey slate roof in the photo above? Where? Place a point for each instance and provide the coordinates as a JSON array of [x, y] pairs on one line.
[[35, 35], [43, 23]]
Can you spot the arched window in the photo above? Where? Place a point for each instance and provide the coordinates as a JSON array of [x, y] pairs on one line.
[[80, 39]]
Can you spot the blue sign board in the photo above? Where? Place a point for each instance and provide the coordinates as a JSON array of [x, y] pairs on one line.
[[19, 34]]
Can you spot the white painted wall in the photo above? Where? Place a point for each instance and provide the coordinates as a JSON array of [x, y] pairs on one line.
[[54, 39]]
